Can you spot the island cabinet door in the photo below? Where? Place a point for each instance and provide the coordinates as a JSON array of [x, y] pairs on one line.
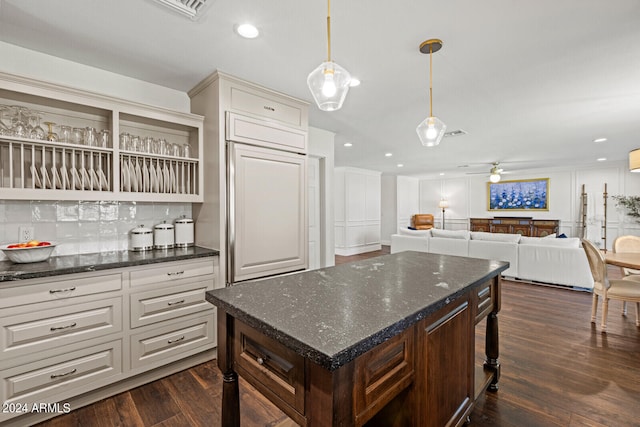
[[446, 365]]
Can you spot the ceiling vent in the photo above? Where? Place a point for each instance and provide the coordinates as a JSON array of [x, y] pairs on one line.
[[194, 9], [457, 132]]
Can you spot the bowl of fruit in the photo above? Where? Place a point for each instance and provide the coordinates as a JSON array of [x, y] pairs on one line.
[[31, 251]]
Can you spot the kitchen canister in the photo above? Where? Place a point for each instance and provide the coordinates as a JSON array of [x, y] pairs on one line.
[[141, 239], [184, 232], [163, 236]]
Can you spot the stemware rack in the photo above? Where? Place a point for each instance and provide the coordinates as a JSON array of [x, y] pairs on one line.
[[52, 170]]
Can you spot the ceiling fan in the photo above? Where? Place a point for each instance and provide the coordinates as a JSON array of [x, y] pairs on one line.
[[495, 173]]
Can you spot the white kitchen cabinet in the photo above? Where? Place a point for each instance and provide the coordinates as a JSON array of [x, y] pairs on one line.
[[246, 113], [50, 170], [358, 211], [79, 338]]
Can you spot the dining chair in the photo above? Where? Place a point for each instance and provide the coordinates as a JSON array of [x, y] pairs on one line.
[[625, 289], [626, 244]]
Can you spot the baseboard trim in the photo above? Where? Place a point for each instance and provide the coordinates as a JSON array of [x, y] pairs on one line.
[[358, 250]]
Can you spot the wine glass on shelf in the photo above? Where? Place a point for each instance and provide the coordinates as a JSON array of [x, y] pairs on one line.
[[51, 136], [36, 132], [18, 126]]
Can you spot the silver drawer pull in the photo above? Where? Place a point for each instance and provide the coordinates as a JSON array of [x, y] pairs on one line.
[[261, 360], [57, 328], [73, 371], [57, 291], [176, 303], [176, 273], [176, 340]]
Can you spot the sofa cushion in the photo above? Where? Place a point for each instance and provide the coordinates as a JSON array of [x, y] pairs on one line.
[[495, 237], [416, 233], [450, 234], [569, 242]]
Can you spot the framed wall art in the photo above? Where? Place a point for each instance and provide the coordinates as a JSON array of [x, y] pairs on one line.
[[518, 195]]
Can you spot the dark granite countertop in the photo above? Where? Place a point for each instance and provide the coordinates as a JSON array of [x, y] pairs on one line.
[[333, 315], [67, 264]]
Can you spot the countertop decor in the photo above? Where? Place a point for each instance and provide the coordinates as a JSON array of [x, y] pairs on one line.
[[68, 264]]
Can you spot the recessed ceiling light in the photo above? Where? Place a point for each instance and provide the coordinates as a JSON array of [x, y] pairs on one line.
[[348, 144], [400, 165], [600, 140], [441, 173], [247, 31], [388, 154], [354, 82], [601, 159]]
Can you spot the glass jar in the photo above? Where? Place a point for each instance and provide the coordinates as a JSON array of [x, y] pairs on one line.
[[65, 134], [77, 136], [90, 137], [104, 139]]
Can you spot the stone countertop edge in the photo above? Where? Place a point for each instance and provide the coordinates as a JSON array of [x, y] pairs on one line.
[[347, 354], [82, 263]]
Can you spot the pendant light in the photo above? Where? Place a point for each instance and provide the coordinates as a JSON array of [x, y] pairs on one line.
[[329, 83], [431, 130]]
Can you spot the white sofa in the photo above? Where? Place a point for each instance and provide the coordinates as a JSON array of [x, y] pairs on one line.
[[535, 259]]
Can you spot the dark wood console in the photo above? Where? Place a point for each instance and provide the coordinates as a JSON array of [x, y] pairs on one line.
[[515, 225]]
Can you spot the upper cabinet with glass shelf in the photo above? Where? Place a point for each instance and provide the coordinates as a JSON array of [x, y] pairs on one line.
[[60, 143]]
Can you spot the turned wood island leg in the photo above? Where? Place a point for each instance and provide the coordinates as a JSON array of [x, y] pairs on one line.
[[230, 389], [492, 345]]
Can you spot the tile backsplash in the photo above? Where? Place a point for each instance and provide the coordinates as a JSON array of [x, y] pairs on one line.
[[84, 227]]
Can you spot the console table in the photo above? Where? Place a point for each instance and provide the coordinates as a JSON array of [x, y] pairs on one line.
[[388, 338], [526, 226]]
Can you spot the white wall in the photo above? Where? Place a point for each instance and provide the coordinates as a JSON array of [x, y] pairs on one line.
[[389, 211], [321, 145], [357, 210], [468, 199], [29, 63]]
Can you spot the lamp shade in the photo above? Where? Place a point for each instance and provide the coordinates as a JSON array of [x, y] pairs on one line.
[[430, 131], [329, 85], [443, 204], [634, 160]]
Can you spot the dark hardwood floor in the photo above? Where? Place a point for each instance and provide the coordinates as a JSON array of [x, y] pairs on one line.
[[557, 370]]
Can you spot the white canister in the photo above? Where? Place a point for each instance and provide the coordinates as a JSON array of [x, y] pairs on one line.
[[141, 239], [184, 232], [163, 236]]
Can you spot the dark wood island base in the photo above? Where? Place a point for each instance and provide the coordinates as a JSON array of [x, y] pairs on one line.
[[424, 374]]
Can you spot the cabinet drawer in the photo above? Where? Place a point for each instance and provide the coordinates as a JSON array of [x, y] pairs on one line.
[[60, 377], [265, 134], [265, 106], [275, 370], [41, 290], [383, 372], [167, 272], [484, 300], [44, 329], [165, 342], [167, 303]]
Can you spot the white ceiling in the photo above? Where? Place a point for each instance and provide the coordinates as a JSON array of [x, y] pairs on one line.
[[532, 82]]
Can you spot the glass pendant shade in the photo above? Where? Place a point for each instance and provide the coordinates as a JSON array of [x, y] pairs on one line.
[[494, 177], [430, 131], [329, 85]]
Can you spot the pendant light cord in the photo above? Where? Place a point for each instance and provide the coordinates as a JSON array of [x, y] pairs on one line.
[[328, 30], [430, 80]]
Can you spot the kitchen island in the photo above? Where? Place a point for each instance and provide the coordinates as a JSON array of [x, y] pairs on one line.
[[384, 341]]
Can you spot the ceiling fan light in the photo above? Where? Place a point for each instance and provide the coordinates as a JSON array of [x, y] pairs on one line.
[[329, 85], [431, 131], [495, 177]]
